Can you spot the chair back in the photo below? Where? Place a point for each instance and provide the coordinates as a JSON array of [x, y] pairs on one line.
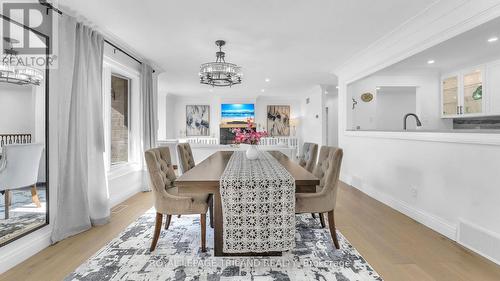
[[20, 164], [160, 169], [328, 171], [307, 158], [186, 158]]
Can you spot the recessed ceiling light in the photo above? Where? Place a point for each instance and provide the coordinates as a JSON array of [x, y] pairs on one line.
[[430, 61], [337, 87], [378, 88], [267, 79], [493, 39], [262, 90]]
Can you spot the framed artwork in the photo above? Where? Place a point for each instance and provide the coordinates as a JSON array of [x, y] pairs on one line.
[[278, 120], [197, 120]]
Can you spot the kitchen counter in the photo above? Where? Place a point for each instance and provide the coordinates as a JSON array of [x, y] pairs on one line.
[[446, 131]]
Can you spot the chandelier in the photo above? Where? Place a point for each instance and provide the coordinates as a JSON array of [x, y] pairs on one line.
[[13, 70], [220, 73]]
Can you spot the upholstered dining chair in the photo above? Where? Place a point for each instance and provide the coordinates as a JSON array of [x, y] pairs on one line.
[[18, 169], [307, 159], [308, 156], [324, 200], [186, 160], [167, 200]]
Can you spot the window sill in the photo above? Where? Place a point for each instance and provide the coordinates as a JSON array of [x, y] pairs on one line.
[[122, 169]]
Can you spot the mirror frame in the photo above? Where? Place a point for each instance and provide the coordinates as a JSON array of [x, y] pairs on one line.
[[47, 155]]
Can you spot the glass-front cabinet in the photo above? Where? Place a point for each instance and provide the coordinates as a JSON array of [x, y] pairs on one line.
[[462, 94], [450, 96], [473, 93]]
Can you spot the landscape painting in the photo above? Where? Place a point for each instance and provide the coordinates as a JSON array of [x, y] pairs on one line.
[[197, 120], [237, 113], [278, 120]]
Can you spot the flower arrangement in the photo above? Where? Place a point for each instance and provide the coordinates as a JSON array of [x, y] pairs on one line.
[[248, 135]]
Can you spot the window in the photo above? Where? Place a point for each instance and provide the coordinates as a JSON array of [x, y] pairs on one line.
[[120, 91]]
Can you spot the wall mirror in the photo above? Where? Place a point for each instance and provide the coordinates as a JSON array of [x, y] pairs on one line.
[[24, 185]]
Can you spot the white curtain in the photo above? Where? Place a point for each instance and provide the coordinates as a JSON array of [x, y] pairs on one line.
[[82, 193], [149, 101]]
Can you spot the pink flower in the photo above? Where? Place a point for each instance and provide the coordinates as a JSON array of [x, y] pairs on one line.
[[248, 135]]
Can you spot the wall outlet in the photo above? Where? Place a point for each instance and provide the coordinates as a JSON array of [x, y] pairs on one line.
[[414, 191]]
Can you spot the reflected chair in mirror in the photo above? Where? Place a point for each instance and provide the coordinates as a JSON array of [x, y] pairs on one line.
[[186, 160], [324, 200], [167, 200], [19, 169]]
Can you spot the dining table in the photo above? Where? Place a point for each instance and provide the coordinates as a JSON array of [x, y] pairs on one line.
[[205, 178]]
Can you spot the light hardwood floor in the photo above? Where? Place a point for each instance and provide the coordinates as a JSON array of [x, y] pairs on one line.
[[397, 247]]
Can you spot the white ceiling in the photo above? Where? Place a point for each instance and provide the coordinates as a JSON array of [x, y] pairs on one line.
[[294, 43], [468, 49]]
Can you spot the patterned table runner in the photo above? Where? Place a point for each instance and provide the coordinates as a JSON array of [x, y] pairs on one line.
[[258, 205]]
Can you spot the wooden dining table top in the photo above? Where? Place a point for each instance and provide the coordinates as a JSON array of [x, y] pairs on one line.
[[206, 175]]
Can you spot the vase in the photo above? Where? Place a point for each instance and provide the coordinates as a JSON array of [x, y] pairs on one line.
[[252, 152]]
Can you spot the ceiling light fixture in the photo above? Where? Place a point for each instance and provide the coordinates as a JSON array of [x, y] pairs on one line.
[[14, 72], [262, 90], [267, 79], [430, 61], [493, 39], [220, 73]]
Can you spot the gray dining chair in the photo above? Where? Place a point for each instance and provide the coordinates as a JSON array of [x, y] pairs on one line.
[[308, 156], [324, 200], [186, 160], [167, 200]]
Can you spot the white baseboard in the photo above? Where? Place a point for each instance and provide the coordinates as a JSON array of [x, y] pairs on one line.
[[435, 223], [473, 237], [25, 247]]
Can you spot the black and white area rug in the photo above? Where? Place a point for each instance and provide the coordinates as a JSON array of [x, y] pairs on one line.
[[178, 256]]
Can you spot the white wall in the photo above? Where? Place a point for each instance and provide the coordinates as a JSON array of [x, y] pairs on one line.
[[17, 109], [427, 103], [438, 179], [392, 104], [333, 119], [312, 124], [162, 116], [176, 111]]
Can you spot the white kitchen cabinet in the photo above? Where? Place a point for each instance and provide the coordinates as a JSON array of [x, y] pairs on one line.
[[470, 93], [450, 96], [492, 84]]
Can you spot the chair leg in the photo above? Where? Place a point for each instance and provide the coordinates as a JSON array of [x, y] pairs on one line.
[[211, 209], [34, 196], [203, 223], [167, 221], [7, 203], [313, 215], [322, 219], [178, 216], [156, 235], [331, 224]]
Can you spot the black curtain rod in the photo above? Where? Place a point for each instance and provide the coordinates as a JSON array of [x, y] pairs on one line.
[[121, 50], [49, 6]]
